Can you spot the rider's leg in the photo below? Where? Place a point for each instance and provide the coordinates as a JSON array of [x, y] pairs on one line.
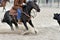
[[19, 15]]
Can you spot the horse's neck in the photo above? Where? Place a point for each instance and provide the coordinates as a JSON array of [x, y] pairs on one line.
[[29, 10]]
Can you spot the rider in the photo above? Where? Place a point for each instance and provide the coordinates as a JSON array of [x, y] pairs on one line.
[[18, 5]]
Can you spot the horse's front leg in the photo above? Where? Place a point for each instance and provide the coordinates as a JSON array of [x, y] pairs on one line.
[[30, 22], [27, 32], [24, 22], [16, 25]]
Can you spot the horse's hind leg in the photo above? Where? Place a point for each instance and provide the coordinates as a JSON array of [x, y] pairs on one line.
[[10, 24], [16, 25]]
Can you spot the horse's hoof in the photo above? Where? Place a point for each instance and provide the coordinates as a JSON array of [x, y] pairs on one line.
[[35, 32], [26, 34], [12, 29]]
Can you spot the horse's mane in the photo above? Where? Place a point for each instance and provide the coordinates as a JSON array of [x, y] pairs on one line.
[[29, 2]]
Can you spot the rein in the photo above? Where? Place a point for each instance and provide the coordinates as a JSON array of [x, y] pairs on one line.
[[27, 15]]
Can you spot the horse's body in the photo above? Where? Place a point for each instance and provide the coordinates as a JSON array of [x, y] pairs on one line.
[[25, 15], [3, 4]]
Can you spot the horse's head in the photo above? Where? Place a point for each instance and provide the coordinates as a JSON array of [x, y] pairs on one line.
[[33, 5], [56, 16]]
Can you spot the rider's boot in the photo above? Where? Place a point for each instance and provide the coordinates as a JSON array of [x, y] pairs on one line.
[[19, 22]]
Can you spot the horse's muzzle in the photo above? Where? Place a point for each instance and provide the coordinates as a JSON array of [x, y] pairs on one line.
[[38, 10]]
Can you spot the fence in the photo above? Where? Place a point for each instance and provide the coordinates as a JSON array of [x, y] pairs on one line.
[[49, 3]]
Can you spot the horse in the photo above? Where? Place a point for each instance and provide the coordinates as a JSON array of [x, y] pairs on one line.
[[25, 16], [3, 4], [57, 17]]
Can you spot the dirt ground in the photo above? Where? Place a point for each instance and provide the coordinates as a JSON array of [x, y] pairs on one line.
[[48, 28]]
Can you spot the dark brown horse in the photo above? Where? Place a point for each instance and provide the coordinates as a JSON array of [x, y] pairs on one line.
[[3, 4]]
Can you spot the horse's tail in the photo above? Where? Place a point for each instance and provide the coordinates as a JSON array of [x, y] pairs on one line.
[[5, 16], [2, 20]]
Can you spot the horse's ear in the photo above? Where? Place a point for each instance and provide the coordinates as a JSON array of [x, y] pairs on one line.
[[56, 13], [35, 0]]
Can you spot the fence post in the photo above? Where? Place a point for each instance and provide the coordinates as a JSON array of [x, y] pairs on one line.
[[58, 3]]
